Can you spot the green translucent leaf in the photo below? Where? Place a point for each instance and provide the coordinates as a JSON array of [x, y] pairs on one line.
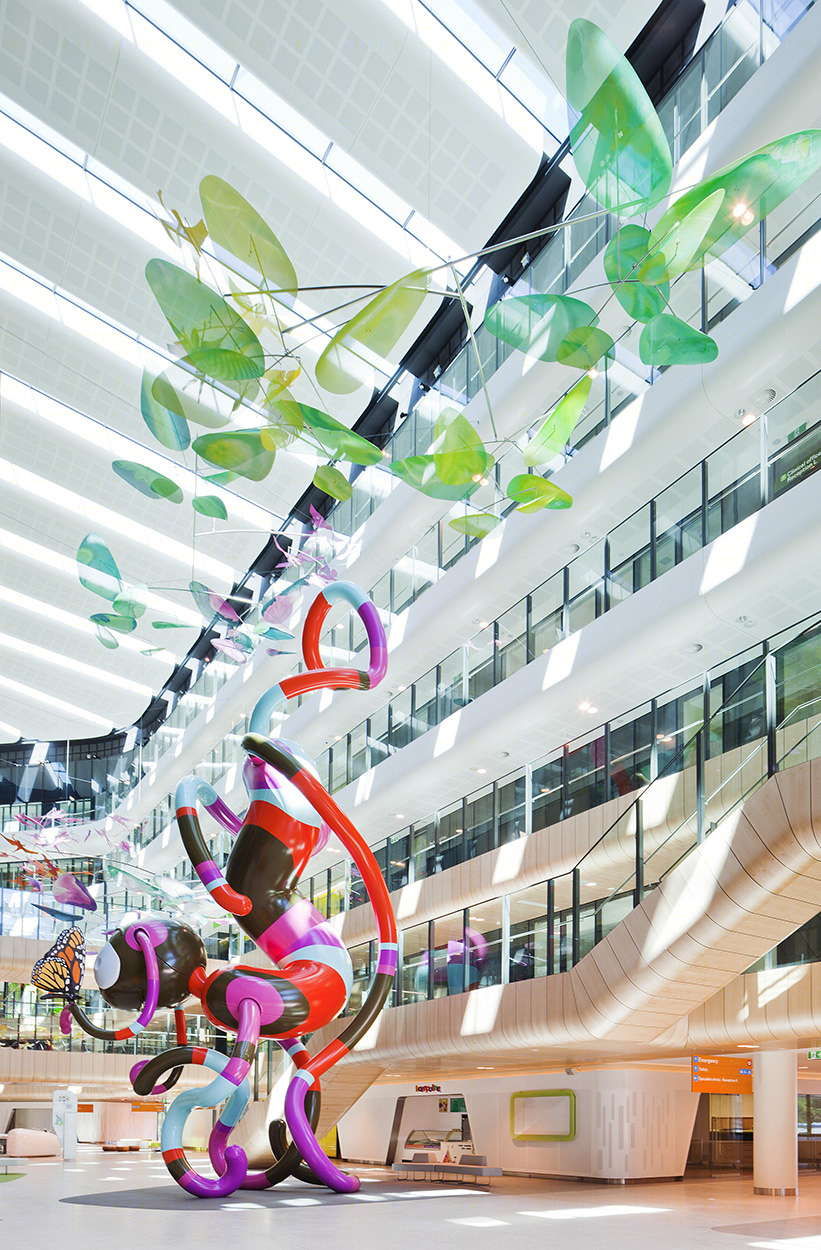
[[169, 625], [111, 620], [538, 324], [618, 143], [239, 451], [584, 347], [666, 340], [378, 327], [533, 493], [752, 188], [147, 481], [210, 505], [680, 248], [97, 568], [639, 285], [478, 525], [236, 226], [106, 637], [216, 339], [287, 423], [420, 473], [332, 436], [333, 482], [557, 427], [458, 451], [169, 428], [184, 406], [150, 650], [265, 630], [132, 601], [221, 479]]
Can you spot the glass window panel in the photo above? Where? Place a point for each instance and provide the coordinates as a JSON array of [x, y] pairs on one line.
[[546, 614], [378, 739], [587, 587], [479, 822], [547, 792], [339, 765], [449, 837], [451, 684], [585, 775], [448, 955], [424, 715], [480, 662], [359, 758], [511, 640], [415, 963], [484, 935], [336, 898], [320, 892], [678, 521], [630, 556], [360, 958], [401, 720], [734, 482], [630, 751], [424, 849], [528, 933], [399, 861], [511, 795]]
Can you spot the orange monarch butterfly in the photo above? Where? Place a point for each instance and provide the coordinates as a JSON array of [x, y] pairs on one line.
[[60, 971]]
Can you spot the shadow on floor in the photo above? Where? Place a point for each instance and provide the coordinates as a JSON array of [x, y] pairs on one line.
[[775, 1230]]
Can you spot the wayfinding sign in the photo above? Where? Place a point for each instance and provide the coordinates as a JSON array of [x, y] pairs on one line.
[[718, 1074]]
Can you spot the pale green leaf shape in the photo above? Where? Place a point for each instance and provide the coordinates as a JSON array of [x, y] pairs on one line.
[[235, 225], [112, 620], [132, 601], [341, 369], [97, 567], [420, 473], [184, 406], [264, 630], [617, 140], [106, 637], [538, 324], [478, 525], [458, 452], [333, 482], [752, 188], [331, 435], [533, 493], [169, 625], [584, 347], [239, 451], [639, 284], [681, 247], [287, 421], [210, 505], [168, 427], [667, 340], [216, 339], [559, 424], [221, 479], [147, 481]]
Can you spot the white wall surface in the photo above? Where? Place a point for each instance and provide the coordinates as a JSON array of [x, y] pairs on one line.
[[630, 1123]]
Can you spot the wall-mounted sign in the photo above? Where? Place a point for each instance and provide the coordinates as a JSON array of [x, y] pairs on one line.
[[147, 1106], [542, 1115], [458, 1105], [85, 1107], [716, 1074], [814, 1054], [428, 1089], [443, 1104]]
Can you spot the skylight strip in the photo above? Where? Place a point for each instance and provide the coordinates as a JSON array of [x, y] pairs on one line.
[[20, 647], [5, 728], [121, 447], [118, 200], [59, 616], [59, 496], [67, 565], [54, 705], [206, 76]]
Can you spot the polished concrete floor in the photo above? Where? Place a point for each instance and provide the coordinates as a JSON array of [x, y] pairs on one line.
[[104, 1201]]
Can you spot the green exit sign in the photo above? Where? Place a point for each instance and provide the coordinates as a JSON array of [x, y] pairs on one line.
[[814, 1054]]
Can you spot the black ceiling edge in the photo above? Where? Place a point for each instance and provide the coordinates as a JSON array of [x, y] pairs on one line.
[[664, 46], [541, 204], [440, 341]]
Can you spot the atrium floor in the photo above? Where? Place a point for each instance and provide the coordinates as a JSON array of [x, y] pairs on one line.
[[101, 1201]]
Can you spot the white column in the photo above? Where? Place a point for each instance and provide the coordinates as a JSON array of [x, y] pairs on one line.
[[775, 1141]]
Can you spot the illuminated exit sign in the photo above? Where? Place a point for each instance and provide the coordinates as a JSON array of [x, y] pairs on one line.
[[814, 1054]]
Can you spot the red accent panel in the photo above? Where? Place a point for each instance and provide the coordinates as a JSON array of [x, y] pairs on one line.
[[299, 838], [122, 1034], [196, 982], [198, 1057], [187, 811], [310, 634], [324, 678], [236, 904], [180, 1024], [170, 1155]]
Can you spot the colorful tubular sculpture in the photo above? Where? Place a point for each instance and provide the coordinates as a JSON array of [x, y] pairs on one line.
[[289, 816]]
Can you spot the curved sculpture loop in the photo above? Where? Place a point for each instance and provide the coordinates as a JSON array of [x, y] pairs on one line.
[[153, 964]]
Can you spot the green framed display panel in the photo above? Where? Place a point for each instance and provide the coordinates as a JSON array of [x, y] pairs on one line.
[[544, 1137]]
